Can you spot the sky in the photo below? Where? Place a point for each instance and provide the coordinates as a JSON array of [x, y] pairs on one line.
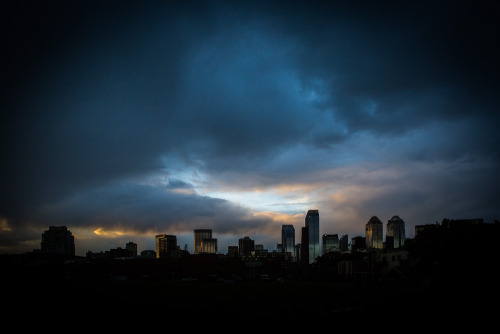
[[126, 119]]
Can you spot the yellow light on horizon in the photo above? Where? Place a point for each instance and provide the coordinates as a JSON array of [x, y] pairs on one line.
[[108, 234], [4, 225]]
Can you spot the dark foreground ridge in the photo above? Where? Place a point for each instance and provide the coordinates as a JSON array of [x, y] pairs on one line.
[[298, 300]]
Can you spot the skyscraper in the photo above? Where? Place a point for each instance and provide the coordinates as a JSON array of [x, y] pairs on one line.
[[373, 234], [58, 240], [199, 235], [288, 240], [312, 227], [395, 236]]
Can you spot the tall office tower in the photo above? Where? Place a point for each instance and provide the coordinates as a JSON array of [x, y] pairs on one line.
[[312, 227], [288, 240], [164, 244], [330, 243], [343, 243], [395, 236], [247, 246], [373, 234], [199, 235], [58, 240], [209, 245]]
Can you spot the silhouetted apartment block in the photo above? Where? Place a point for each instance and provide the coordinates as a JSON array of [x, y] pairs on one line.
[[58, 240]]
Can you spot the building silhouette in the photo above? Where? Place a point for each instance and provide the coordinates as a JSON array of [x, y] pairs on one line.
[[209, 245], [330, 243], [298, 252], [344, 243], [453, 255], [148, 254], [232, 251], [358, 243], [288, 240], [58, 240], [117, 253], [260, 252], [246, 246], [165, 243], [131, 247], [446, 267], [304, 248], [426, 228], [310, 236], [374, 234], [199, 235], [128, 252], [395, 235]]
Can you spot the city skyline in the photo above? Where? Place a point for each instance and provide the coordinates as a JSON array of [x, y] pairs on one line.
[[127, 120], [447, 267], [390, 235], [270, 242]]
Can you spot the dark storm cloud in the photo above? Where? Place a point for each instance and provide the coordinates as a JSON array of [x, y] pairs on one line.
[[175, 184], [386, 68], [103, 93], [392, 67], [131, 209], [140, 208], [89, 97], [96, 95]]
